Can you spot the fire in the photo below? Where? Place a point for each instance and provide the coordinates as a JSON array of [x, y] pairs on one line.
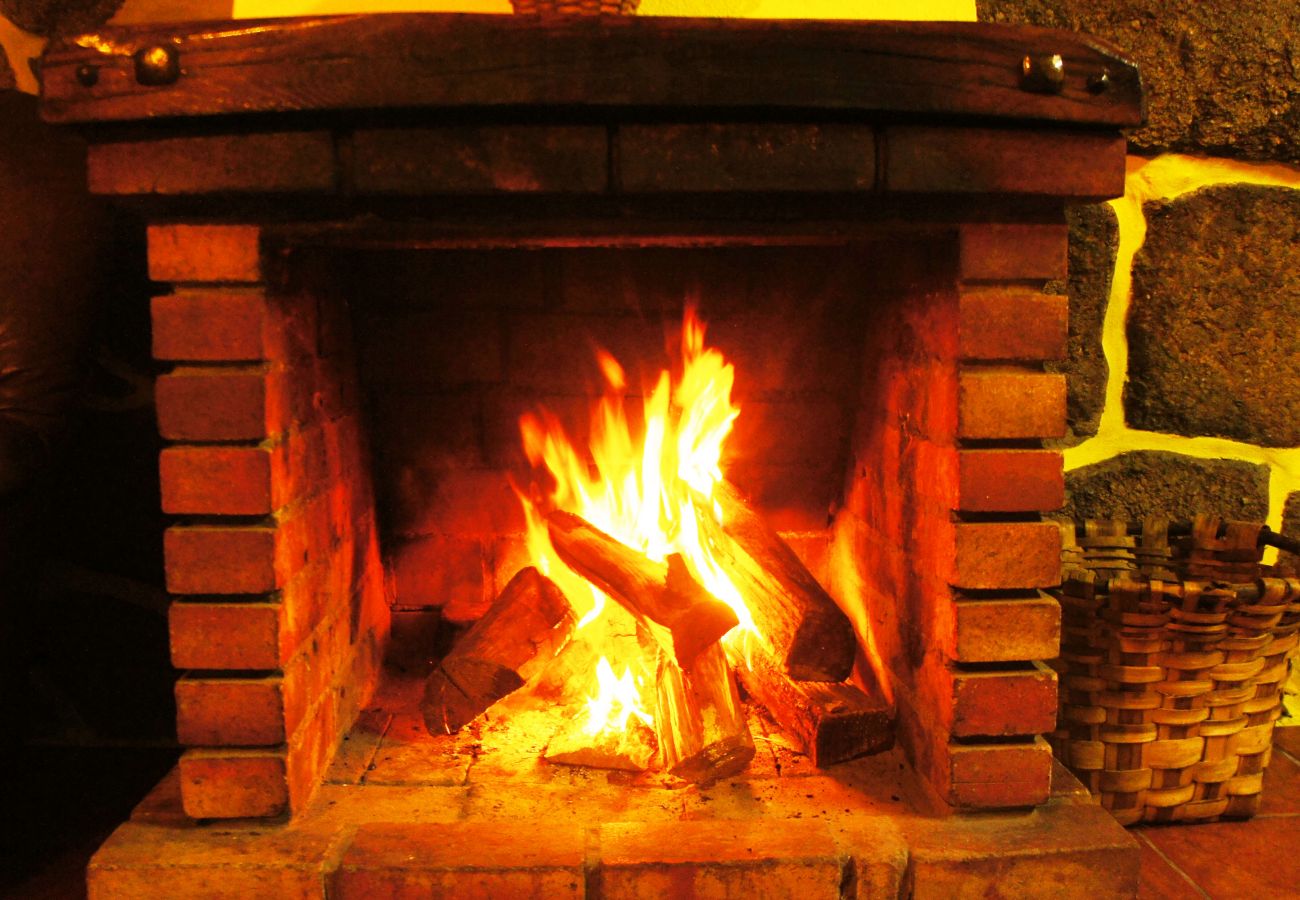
[[617, 700], [648, 490]]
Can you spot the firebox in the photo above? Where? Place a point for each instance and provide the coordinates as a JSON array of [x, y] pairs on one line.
[[401, 260]]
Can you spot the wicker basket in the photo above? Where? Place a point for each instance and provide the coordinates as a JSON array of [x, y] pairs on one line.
[[1169, 685]]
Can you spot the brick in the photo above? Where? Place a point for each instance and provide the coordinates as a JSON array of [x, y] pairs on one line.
[[702, 858], [230, 712], [1063, 850], [1004, 555], [1010, 403], [234, 784], [412, 647], [1012, 251], [205, 253], [961, 160], [430, 352], [998, 776], [880, 857], [288, 162], [1010, 480], [234, 636], [1002, 703], [1014, 325], [214, 559], [1007, 629], [746, 157], [233, 481], [480, 159], [461, 859], [215, 405], [209, 326], [439, 571]]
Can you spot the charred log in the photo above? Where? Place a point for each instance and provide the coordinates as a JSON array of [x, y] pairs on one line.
[[525, 626], [703, 734], [664, 593]]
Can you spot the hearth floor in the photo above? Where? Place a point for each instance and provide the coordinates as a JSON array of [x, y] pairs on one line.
[[481, 814]]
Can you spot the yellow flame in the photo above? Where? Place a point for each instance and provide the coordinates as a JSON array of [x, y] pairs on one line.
[[647, 493], [617, 700]]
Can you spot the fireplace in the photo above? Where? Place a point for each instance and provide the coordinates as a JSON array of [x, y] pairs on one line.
[[380, 240]]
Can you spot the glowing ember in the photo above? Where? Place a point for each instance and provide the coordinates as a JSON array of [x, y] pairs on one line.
[[616, 701]]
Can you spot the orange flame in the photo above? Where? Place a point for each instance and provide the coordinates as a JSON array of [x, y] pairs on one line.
[[617, 700], [646, 492]]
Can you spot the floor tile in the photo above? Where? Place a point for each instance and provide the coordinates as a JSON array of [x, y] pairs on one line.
[[1288, 739], [1281, 793], [1160, 880], [1229, 860]]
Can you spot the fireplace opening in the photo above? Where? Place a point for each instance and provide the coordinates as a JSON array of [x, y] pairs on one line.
[[506, 387]]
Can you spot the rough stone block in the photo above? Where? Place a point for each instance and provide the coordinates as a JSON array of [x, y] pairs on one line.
[[997, 776], [964, 160], [746, 157], [482, 860], [480, 159], [289, 162], [1010, 403], [1008, 324], [1155, 483], [234, 784], [1216, 305], [1010, 480], [230, 712], [1007, 629], [205, 253], [1003, 555], [718, 859], [1094, 243]]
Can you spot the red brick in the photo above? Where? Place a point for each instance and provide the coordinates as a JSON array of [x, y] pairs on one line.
[[439, 571], [480, 860], [215, 405], [430, 352], [1004, 555], [704, 858], [414, 637], [1011, 324], [1012, 252], [234, 784], [747, 157], [1010, 480], [1007, 629], [1003, 703], [205, 253], [233, 481], [211, 559], [230, 712], [209, 326], [961, 159], [295, 161], [481, 159], [234, 636], [1010, 403], [998, 776]]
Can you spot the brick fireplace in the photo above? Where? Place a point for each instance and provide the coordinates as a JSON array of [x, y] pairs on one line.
[[380, 239]]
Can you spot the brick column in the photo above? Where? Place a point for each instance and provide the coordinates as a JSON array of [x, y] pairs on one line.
[[279, 614]]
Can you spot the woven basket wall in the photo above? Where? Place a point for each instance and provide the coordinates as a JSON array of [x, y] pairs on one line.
[[1169, 682]]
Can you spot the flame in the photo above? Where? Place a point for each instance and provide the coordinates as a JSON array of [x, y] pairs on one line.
[[648, 491], [617, 700]]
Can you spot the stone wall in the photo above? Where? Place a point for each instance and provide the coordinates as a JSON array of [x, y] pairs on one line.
[[1185, 293]]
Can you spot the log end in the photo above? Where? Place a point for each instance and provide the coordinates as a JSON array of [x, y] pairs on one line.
[[718, 760], [824, 649], [458, 690], [855, 724]]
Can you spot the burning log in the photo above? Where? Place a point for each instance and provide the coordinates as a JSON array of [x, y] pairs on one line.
[[810, 638], [528, 622], [832, 722], [632, 749], [703, 735], [664, 593]]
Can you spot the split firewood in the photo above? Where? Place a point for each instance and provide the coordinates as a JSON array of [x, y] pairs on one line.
[[528, 622], [664, 593], [703, 734], [810, 637], [833, 723]]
